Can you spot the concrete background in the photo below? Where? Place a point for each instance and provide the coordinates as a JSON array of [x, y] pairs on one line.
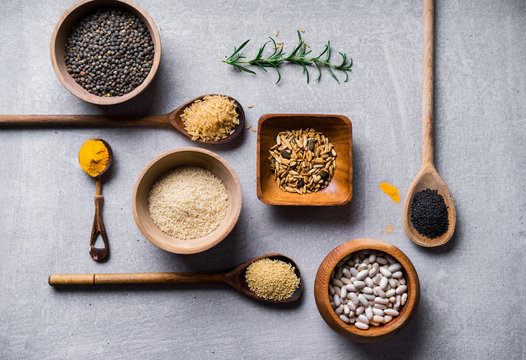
[[472, 304]]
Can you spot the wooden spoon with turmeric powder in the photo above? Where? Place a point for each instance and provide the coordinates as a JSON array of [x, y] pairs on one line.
[[236, 278], [95, 158]]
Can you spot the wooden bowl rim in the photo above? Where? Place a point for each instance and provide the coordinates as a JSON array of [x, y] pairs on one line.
[[78, 90], [373, 334], [236, 204], [263, 197]]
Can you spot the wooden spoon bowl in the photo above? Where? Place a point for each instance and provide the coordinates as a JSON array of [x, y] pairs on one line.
[[428, 178], [373, 334], [166, 162], [62, 31]]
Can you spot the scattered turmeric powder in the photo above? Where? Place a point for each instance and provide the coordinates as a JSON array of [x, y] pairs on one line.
[[391, 191], [389, 229], [94, 157]]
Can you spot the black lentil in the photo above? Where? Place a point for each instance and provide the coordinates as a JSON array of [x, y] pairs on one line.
[[429, 213], [109, 52]]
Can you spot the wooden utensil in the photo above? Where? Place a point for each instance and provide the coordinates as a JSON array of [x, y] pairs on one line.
[[428, 177], [62, 31], [100, 254], [337, 128], [234, 278], [168, 161], [170, 120], [374, 333]]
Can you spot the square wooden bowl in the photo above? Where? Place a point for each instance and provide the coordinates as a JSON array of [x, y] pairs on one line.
[[337, 128]]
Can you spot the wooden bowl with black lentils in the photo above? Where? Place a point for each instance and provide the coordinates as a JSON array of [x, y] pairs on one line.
[[105, 51]]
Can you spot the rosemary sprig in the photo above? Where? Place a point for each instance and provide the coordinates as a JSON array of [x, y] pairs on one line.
[[298, 56]]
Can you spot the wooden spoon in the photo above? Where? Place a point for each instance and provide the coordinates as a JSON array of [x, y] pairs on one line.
[[169, 120], [235, 278], [100, 254], [428, 177]]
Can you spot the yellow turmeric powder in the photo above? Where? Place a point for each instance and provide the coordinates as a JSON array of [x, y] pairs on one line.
[[93, 157], [391, 191]]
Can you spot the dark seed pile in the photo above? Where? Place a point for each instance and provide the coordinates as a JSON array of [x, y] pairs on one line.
[[429, 213], [109, 52]]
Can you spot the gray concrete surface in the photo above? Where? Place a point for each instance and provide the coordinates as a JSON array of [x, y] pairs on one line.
[[472, 304]]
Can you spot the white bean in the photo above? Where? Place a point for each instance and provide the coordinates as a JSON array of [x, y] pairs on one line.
[[347, 273], [351, 305], [363, 319], [369, 282], [352, 320], [397, 275], [379, 312], [378, 318], [344, 318], [350, 287], [369, 297], [392, 299], [359, 310], [390, 293], [392, 283], [337, 290], [383, 283], [369, 313], [390, 259], [373, 272], [395, 267], [359, 284], [343, 292], [339, 310], [331, 289], [385, 271], [380, 306], [362, 266], [361, 326], [404, 299], [353, 271], [380, 300], [401, 289], [379, 292], [387, 318], [367, 290], [381, 260], [345, 280], [402, 281], [391, 312], [377, 278], [337, 301], [354, 298], [346, 309], [375, 323], [337, 282], [362, 274], [363, 300]]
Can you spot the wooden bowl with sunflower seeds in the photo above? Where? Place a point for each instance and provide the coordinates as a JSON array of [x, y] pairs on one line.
[[304, 160]]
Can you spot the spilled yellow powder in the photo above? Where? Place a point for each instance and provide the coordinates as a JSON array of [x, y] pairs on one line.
[[93, 157], [391, 191], [389, 229]]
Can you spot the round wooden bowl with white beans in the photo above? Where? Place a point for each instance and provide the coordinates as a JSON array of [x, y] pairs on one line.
[[383, 330]]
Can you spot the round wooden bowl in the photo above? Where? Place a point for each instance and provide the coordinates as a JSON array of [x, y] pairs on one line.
[[61, 33], [373, 334], [166, 162]]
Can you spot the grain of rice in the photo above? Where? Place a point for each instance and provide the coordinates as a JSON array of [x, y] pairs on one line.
[[188, 202]]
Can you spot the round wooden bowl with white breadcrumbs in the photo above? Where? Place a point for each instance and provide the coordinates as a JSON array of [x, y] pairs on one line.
[[171, 160], [373, 334]]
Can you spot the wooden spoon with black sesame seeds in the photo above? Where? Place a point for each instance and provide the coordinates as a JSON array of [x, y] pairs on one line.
[[235, 278], [170, 120]]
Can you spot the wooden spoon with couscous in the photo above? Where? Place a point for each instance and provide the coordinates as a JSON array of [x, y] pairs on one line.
[[211, 119], [272, 278]]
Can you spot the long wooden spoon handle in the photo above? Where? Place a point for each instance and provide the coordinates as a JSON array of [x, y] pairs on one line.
[[427, 83], [139, 278], [86, 120]]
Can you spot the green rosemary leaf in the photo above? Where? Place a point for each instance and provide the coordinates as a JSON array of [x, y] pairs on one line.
[[298, 56]]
